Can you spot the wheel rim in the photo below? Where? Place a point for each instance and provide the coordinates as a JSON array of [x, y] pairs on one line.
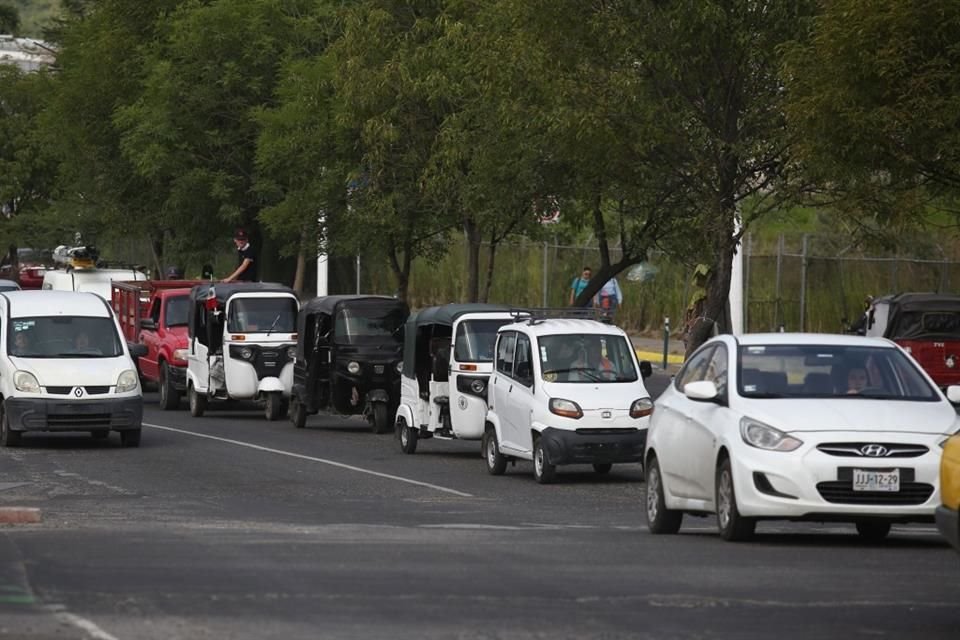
[[653, 491], [725, 498], [163, 387], [491, 451], [404, 436], [538, 461]]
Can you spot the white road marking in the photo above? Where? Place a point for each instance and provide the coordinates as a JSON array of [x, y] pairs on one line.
[[299, 456], [88, 627]]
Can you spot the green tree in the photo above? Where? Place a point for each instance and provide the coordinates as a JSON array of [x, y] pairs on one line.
[[9, 19]]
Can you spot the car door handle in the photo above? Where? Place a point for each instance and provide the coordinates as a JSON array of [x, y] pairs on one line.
[[510, 390]]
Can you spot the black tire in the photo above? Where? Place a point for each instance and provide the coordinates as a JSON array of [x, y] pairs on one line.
[[496, 461], [659, 518], [169, 396], [873, 531], [602, 468], [409, 436], [273, 406], [198, 403], [8, 437], [732, 526], [298, 412], [543, 471], [102, 434], [130, 438], [380, 417]]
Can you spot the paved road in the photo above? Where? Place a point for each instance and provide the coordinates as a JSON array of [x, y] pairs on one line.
[[232, 527]]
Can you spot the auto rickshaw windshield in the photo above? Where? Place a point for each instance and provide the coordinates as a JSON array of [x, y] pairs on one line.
[[262, 315], [366, 323], [475, 340]]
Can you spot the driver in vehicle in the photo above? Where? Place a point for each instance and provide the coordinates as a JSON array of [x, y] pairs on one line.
[[21, 343], [856, 380]]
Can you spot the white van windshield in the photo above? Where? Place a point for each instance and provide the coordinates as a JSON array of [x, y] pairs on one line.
[[63, 337], [586, 358]]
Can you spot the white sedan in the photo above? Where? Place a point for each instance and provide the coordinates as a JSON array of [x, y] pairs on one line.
[[797, 427]]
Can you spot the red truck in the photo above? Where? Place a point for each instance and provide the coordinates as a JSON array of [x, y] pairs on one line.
[[154, 313]]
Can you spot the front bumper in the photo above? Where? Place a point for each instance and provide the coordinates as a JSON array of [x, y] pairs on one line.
[[42, 414], [948, 522], [600, 447]]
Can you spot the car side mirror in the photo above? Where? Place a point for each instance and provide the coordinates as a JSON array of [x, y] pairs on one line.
[[137, 350], [646, 369], [148, 323], [953, 393], [702, 391]]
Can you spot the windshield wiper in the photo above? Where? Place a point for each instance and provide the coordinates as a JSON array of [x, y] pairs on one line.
[[593, 375], [272, 326]]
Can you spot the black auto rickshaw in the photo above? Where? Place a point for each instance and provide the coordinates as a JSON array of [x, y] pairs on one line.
[[349, 358]]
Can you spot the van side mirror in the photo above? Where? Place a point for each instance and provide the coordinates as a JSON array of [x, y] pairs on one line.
[[646, 369]]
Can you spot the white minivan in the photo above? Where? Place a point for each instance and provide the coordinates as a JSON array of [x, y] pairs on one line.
[[65, 367], [565, 391]]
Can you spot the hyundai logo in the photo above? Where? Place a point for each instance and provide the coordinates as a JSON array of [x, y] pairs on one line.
[[873, 450]]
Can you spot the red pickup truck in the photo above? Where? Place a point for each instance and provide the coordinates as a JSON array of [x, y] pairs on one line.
[[154, 313]]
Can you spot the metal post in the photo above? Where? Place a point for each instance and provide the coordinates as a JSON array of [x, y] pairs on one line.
[[777, 303], [545, 263], [358, 274], [666, 339], [803, 285]]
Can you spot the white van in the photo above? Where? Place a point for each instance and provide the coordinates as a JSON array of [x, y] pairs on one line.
[[93, 280], [65, 367]]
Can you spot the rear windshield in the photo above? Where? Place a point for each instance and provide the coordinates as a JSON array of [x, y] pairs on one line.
[[64, 337], [262, 315], [818, 371], [475, 340], [929, 324]]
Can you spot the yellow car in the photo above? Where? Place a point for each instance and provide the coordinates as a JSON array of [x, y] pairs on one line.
[[948, 514]]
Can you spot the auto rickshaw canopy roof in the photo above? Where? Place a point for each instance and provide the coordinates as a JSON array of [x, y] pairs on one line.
[[903, 321], [224, 291], [330, 305]]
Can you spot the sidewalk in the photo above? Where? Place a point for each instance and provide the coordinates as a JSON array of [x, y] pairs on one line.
[[652, 349]]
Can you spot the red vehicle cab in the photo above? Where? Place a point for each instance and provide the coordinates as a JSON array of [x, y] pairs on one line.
[[927, 325], [154, 313]]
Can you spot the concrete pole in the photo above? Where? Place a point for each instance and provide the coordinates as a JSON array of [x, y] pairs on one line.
[[322, 276]]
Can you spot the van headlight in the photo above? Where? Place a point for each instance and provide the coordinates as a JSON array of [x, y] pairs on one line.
[[26, 382], [641, 408], [763, 436], [353, 367], [127, 381]]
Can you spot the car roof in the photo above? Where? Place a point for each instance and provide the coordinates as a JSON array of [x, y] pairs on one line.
[[826, 339], [554, 326], [38, 303]]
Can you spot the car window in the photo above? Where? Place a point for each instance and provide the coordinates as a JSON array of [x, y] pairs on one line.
[[716, 371], [505, 348], [695, 368], [523, 367], [155, 312]]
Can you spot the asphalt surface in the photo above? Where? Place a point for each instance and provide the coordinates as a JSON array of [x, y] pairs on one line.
[[229, 526]]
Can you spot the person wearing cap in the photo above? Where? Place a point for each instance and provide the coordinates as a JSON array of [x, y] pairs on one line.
[[247, 267]]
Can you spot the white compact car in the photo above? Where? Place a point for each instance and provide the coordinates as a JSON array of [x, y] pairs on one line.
[[65, 367], [798, 427], [565, 391]]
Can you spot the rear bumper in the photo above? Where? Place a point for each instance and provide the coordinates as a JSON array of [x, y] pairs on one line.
[[570, 447], [948, 522], [41, 414]]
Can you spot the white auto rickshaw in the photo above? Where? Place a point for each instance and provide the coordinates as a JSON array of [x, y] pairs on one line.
[[447, 361], [242, 345]]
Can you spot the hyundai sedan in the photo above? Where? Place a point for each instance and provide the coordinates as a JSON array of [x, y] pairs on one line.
[[797, 427]]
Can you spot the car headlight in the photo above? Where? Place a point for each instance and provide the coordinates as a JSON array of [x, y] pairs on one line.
[[399, 367], [180, 354], [353, 367], [641, 408], [565, 408], [763, 436], [26, 382], [292, 353], [127, 381]]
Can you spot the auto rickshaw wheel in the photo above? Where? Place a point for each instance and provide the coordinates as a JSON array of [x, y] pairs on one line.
[[408, 437], [274, 405], [381, 419], [198, 403], [298, 412]]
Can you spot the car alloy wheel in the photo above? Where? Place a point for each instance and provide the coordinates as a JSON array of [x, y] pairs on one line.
[[733, 527]]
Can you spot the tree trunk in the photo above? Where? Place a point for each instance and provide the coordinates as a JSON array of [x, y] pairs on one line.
[[400, 267], [300, 274], [156, 249], [600, 230], [474, 239]]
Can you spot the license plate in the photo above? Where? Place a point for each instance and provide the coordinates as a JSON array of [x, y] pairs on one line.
[[378, 368], [876, 480]]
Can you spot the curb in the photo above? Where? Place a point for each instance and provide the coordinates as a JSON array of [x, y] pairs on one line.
[[655, 357], [19, 515]]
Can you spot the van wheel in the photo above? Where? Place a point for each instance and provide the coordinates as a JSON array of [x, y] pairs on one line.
[[602, 469], [733, 526], [381, 420], [8, 438], [298, 412], [130, 438], [169, 396], [408, 437], [496, 461], [198, 403], [543, 471], [274, 405]]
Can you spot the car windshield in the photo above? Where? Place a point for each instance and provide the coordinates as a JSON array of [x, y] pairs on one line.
[[360, 323], [177, 311], [586, 358], [834, 371], [475, 340], [262, 315], [63, 337]]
